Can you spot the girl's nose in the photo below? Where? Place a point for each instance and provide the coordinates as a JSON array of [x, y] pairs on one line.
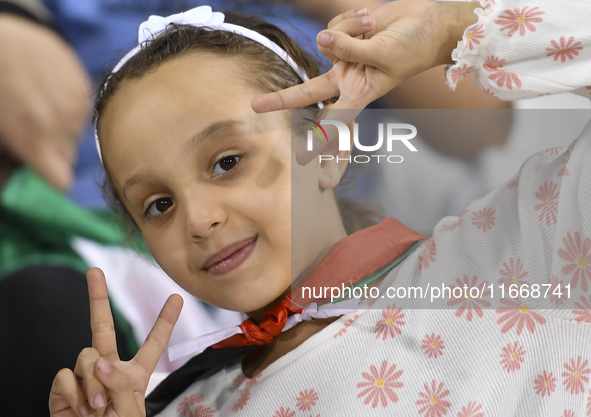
[[203, 219]]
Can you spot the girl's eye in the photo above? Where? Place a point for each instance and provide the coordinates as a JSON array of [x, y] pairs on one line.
[[159, 206], [225, 164]]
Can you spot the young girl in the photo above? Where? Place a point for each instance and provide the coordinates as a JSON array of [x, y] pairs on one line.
[[217, 194]]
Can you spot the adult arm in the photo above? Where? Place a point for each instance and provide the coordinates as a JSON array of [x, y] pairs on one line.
[[413, 36]]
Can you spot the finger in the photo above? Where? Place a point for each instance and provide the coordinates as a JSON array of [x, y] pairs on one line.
[[357, 26], [66, 397], [84, 370], [152, 349], [316, 90], [349, 49], [349, 14], [51, 163], [120, 388], [101, 318]]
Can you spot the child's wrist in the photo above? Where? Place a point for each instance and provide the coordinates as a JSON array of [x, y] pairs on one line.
[[453, 19]]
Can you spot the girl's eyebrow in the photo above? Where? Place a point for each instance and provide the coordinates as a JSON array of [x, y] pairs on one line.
[[196, 141], [200, 138]]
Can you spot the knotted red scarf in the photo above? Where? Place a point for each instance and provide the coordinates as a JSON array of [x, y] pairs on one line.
[[352, 259]]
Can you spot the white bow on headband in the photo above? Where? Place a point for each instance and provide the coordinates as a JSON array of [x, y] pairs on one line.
[[199, 16], [203, 16]]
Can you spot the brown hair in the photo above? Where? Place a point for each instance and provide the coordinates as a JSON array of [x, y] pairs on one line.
[[271, 73]]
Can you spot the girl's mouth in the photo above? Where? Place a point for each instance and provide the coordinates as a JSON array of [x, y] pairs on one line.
[[230, 257]]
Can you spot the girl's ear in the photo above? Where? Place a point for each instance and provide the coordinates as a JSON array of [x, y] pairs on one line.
[[332, 169]]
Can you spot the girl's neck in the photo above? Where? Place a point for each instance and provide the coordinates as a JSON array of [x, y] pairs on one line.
[[256, 361]]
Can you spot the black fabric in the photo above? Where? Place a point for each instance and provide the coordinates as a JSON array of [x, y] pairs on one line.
[[201, 366], [44, 324]]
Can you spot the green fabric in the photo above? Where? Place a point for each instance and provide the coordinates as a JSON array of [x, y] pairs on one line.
[[38, 223], [382, 271]]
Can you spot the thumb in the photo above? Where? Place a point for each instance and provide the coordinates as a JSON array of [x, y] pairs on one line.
[[345, 48], [120, 389], [51, 164]]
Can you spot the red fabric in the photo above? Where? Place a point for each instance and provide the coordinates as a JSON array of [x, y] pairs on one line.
[[352, 259], [271, 325], [357, 256]]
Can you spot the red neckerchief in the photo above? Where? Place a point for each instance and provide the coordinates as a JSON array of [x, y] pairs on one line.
[[353, 258]]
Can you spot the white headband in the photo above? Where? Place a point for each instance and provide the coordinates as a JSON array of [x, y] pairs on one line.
[[201, 16]]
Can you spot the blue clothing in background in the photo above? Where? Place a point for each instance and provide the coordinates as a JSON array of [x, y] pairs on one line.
[[102, 31]]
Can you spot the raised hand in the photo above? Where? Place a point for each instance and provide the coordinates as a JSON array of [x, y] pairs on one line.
[[101, 383], [405, 37], [45, 99]]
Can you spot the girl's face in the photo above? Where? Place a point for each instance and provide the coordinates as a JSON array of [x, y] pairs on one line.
[[206, 179], [209, 182]]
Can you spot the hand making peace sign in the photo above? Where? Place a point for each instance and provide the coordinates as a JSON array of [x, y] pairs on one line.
[[101, 384]]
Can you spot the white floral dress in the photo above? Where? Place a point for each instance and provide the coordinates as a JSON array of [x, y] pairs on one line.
[[525, 354]]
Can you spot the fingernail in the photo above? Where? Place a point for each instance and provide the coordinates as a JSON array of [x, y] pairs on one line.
[[361, 12], [104, 366], [84, 411], [366, 21], [324, 39], [99, 400]]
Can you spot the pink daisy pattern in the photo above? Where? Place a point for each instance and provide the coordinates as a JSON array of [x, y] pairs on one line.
[[512, 356], [468, 304], [345, 325], [390, 323], [447, 228], [473, 37], [432, 401], [520, 20], [433, 345], [379, 386], [473, 409], [584, 310], [238, 381], [588, 404], [187, 402], [576, 375], [555, 283], [513, 183], [568, 413], [493, 64], [428, 254], [306, 400], [548, 196], [577, 253], [253, 380], [242, 401], [459, 73], [545, 384], [489, 92], [554, 151], [566, 49], [563, 171], [484, 219], [512, 273], [284, 413], [518, 314], [202, 411]]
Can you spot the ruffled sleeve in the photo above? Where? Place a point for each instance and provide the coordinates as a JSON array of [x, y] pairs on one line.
[[527, 48]]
